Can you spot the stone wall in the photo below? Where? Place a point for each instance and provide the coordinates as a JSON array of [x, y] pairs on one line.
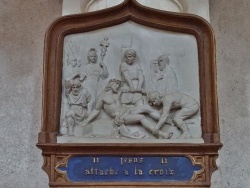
[[230, 20], [23, 24]]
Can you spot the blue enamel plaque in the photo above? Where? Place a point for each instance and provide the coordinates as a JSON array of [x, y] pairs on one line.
[[132, 169]]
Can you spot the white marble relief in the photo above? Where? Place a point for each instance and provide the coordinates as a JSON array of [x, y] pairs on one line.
[[119, 94], [133, 78], [163, 75], [72, 59], [94, 70], [80, 104], [109, 101], [185, 106]]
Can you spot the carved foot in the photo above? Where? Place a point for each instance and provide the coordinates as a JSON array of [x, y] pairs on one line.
[[164, 135], [125, 132], [161, 134]]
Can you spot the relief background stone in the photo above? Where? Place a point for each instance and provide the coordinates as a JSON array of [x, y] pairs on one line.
[[149, 44]]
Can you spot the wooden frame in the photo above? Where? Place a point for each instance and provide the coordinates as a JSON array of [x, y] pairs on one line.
[[55, 154]]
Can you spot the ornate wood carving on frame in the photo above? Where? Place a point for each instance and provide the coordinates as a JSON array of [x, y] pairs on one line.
[[195, 86]]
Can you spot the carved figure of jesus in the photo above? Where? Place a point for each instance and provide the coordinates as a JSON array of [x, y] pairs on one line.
[[109, 101]]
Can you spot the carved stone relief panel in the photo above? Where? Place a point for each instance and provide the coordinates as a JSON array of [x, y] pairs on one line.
[[120, 87], [130, 83]]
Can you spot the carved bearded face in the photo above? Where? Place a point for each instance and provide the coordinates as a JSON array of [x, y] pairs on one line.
[[115, 87], [154, 99], [162, 62]]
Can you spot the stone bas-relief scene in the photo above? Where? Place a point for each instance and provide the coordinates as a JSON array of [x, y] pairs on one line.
[[130, 84]]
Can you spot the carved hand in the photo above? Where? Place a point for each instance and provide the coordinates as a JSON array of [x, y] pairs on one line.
[[160, 77], [101, 64], [118, 121], [82, 77]]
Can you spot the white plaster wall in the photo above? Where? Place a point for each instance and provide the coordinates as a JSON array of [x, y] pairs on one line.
[[23, 24]]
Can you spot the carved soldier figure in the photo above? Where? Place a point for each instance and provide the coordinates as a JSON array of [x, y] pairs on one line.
[[94, 71], [110, 103], [185, 106], [72, 53], [165, 78], [79, 101], [133, 76], [72, 60]]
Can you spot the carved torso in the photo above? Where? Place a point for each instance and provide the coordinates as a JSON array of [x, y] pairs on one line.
[[80, 99], [178, 100], [132, 71], [111, 104]]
